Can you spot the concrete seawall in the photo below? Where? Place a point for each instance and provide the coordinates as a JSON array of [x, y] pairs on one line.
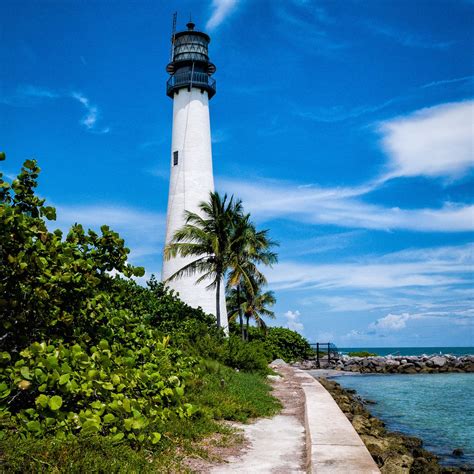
[[333, 446]]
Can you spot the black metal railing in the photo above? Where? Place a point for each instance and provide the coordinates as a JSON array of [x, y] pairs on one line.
[[325, 350], [190, 79]]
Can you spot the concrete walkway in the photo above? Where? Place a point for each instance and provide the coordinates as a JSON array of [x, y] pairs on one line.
[[311, 435], [275, 445], [335, 447]]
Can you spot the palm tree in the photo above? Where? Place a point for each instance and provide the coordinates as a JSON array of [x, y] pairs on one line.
[[249, 248], [255, 305], [208, 236]]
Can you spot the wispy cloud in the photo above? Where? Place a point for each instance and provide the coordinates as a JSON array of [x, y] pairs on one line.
[[39, 92], [221, 10], [443, 82], [452, 266], [339, 113], [343, 207], [31, 95], [406, 38], [433, 142], [307, 23], [92, 114]]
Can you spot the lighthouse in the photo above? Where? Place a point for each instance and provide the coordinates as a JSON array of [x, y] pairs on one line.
[[190, 86]]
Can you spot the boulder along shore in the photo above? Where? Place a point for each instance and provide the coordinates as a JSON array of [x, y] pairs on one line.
[[395, 364], [393, 452]]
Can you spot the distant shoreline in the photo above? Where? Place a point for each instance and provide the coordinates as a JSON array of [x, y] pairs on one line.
[[412, 350]]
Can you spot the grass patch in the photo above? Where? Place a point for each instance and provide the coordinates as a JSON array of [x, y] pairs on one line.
[[221, 393], [230, 395]]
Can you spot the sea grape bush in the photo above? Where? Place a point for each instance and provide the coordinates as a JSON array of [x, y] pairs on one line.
[[126, 386], [50, 285], [282, 343]]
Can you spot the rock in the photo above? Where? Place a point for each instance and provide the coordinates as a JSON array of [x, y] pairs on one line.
[[273, 378], [458, 452], [408, 368], [424, 466], [370, 402], [438, 361], [279, 362]]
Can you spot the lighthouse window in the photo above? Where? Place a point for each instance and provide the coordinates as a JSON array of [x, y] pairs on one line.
[[175, 158]]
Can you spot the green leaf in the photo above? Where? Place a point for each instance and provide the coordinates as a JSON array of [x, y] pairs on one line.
[[42, 400], [55, 403], [25, 372], [34, 426], [109, 418], [90, 426], [103, 344], [155, 438], [64, 379], [118, 437]]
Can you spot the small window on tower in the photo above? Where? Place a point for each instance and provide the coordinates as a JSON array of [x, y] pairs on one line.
[[175, 158]]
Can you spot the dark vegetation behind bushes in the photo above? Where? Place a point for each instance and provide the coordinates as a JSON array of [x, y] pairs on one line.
[[87, 355]]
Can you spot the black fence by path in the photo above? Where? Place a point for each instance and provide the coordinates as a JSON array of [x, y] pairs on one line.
[[326, 351]]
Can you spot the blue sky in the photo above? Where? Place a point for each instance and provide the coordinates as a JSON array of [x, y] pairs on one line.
[[345, 126]]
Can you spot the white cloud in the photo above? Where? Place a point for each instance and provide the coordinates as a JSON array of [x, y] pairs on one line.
[[221, 9], [92, 113], [391, 322], [343, 207], [433, 142], [452, 265], [293, 321]]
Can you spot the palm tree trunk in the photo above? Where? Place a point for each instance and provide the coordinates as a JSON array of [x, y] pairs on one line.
[[218, 301], [241, 318], [247, 317]]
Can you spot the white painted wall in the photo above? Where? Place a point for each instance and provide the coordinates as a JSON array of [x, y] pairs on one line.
[[191, 181]]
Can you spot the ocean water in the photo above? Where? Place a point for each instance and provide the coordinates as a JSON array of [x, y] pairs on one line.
[[438, 408], [407, 351]]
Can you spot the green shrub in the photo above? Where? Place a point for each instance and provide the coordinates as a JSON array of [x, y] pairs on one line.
[[124, 387], [50, 286], [282, 343], [362, 354], [243, 355]]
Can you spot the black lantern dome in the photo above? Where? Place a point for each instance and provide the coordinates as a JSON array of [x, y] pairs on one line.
[[190, 65]]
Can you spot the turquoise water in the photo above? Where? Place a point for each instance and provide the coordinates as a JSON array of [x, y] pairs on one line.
[[437, 408], [406, 351]]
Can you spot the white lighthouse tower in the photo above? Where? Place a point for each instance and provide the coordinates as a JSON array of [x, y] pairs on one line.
[[191, 179]]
